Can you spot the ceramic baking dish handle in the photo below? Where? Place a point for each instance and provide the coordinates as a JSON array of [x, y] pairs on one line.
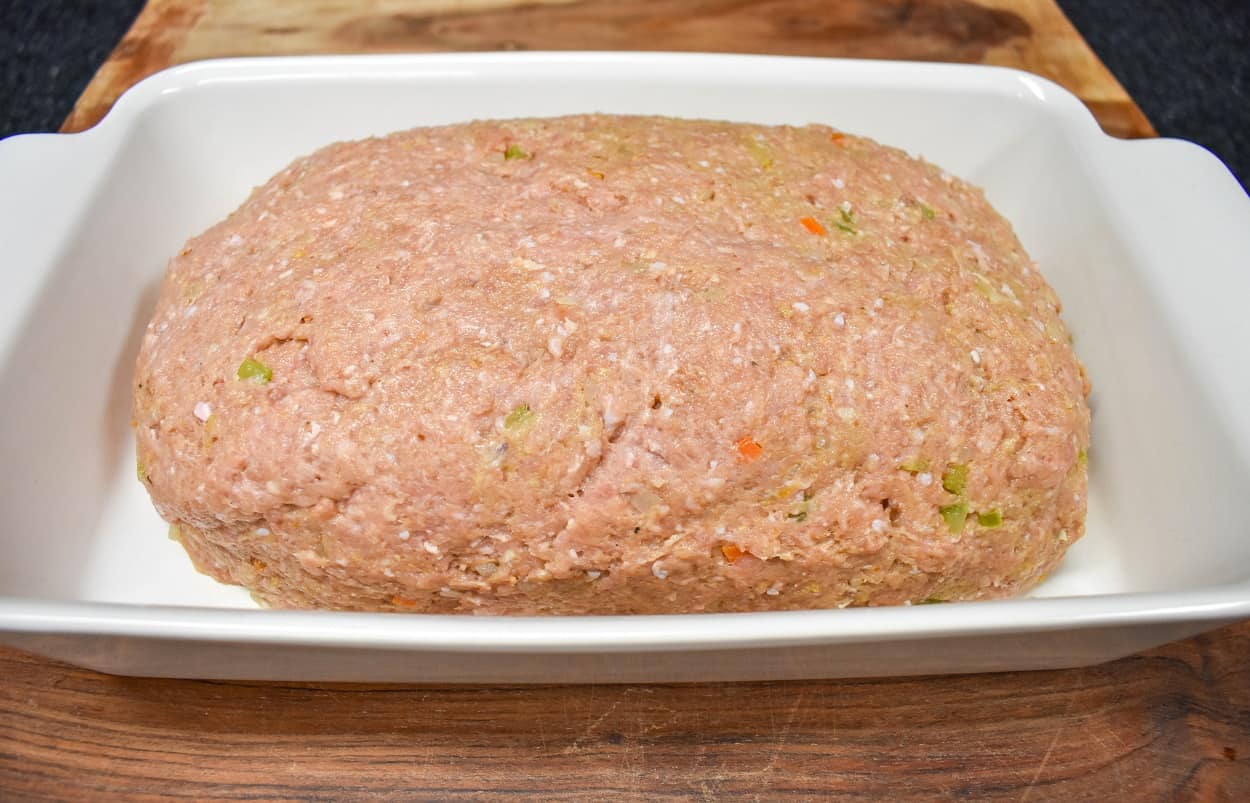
[[46, 184], [1195, 253]]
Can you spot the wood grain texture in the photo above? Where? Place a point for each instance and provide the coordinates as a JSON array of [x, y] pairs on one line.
[[1029, 34], [1169, 724], [147, 47]]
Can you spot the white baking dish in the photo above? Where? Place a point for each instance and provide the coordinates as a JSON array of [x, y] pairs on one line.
[[1148, 243]]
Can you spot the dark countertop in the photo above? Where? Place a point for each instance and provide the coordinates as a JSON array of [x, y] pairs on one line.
[[1186, 64]]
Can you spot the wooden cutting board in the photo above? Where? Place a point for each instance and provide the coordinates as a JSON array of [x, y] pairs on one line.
[[1033, 35], [1172, 723]]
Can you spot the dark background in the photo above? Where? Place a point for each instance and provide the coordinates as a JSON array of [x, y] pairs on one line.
[[1187, 64]]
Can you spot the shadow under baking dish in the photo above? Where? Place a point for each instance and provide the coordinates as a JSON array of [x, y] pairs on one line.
[[1168, 501]]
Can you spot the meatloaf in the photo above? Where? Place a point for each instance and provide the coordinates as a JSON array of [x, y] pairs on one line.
[[601, 364]]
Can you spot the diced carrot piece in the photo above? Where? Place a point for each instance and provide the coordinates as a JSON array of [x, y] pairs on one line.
[[748, 449], [731, 552], [812, 225]]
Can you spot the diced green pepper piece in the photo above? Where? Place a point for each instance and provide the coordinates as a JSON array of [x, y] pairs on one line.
[[514, 151], [847, 223], [914, 465], [955, 516], [519, 417], [1082, 458], [989, 518], [926, 211], [955, 478], [141, 470], [759, 152], [254, 371]]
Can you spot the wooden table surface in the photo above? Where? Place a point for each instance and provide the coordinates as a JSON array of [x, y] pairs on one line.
[[1171, 723]]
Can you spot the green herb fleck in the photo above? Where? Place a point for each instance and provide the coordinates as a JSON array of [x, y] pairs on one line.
[[514, 151], [914, 465], [519, 417], [1082, 458], [990, 518], [932, 601], [141, 470], [760, 153], [955, 516], [983, 287], [926, 211], [847, 223], [254, 371], [955, 478], [799, 513]]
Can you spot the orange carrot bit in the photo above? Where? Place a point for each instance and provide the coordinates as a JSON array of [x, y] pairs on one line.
[[812, 225], [837, 136], [403, 602], [731, 552], [748, 449]]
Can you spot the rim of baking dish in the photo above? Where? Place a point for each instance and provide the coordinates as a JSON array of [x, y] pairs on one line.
[[657, 632]]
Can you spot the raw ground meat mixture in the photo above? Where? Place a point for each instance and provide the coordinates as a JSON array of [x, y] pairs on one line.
[[604, 364]]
